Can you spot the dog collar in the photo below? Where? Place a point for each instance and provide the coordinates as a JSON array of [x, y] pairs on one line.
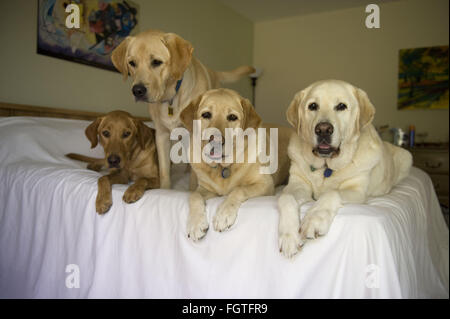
[[177, 88], [326, 173]]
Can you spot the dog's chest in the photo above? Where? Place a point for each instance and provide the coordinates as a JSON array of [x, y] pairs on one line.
[[143, 165], [169, 114], [166, 115], [219, 180], [171, 121], [321, 183]]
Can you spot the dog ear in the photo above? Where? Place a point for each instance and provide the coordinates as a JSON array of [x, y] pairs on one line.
[[252, 119], [91, 132], [119, 55], [144, 133], [292, 111], [188, 113], [180, 54], [366, 109]]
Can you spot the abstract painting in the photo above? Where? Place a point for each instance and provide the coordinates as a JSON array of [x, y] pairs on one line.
[[103, 26], [423, 78]]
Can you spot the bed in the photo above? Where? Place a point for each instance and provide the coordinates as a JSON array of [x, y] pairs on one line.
[[395, 246]]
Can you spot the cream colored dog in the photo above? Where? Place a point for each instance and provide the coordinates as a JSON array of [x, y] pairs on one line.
[[167, 77], [337, 158], [221, 109]]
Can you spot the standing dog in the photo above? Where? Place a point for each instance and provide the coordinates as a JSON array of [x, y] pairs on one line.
[[167, 77], [337, 157], [130, 154], [221, 109]]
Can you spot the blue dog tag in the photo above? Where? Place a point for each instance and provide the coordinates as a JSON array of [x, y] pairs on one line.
[[226, 172], [327, 172]]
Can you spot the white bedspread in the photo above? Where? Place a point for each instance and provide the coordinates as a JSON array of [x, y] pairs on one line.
[[396, 246]]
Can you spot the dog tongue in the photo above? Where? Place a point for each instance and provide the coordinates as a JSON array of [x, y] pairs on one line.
[[324, 146]]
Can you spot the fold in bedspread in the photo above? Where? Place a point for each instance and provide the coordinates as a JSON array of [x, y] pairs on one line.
[[395, 246]]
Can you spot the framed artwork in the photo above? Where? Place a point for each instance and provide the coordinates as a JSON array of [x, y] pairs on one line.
[[103, 26], [423, 78]]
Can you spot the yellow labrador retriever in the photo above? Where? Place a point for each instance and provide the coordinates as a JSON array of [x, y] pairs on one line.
[[337, 157], [222, 109], [167, 77]]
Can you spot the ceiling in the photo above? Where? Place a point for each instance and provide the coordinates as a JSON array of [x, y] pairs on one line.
[[261, 10]]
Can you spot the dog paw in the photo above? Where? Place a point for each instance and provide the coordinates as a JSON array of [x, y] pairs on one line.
[[316, 223], [103, 204], [225, 217], [132, 194], [290, 244], [197, 226]]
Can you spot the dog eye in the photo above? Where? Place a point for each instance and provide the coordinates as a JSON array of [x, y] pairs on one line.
[[232, 118], [341, 107], [106, 134], [206, 115], [156, 63], [313, 107], [126, 134], [132, 64]]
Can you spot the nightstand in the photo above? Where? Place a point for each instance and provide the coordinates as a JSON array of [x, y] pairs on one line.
[[433, 159]]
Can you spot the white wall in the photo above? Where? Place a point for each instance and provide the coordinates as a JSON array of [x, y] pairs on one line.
[[297, 51], [294, 52], [222, 40]]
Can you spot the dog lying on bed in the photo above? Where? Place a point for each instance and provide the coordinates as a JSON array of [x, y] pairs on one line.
[[221, 109], [130, 154], [167, 77], [337, 157]]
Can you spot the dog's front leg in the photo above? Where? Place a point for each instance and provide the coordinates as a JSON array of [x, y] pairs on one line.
[[197, 224], [295, 194], [228, 210], [103, 201], [319, 217], [354, 190], [137, 190], [163, 148]]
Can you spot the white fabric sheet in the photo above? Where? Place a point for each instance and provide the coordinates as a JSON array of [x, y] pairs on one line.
[[396, 246]]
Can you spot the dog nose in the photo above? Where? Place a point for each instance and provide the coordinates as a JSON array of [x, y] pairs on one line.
[[139, 90], [114, 160], [324, 128]]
